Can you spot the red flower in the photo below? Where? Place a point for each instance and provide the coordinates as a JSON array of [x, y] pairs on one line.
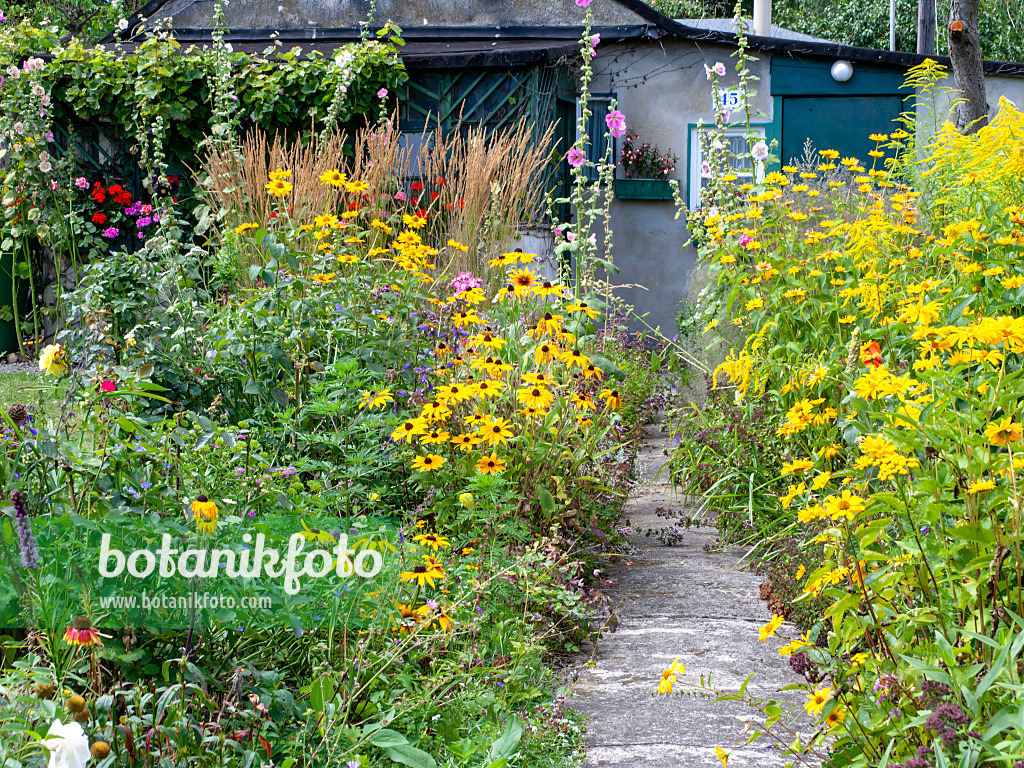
[[99, 218], [434, 195], [99, 194], [108, 386], [872, 355], [81, 632], [421, 213], [440, 181], [123, 198], [416, 186]]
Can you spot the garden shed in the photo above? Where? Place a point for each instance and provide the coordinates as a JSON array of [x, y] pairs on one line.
[[490, 62]]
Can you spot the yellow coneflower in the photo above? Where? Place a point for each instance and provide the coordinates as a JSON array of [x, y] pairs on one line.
[[523, 282], [612, 399], [431, 540], [204, 512], [535, 397], [429, 463], [495, 431], [487, 465], [422, 574], [465, 442]]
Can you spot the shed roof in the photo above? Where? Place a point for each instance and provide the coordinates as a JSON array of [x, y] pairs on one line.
[[515, 26]]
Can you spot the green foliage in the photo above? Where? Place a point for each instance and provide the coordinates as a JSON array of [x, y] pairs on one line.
[[865, 23]]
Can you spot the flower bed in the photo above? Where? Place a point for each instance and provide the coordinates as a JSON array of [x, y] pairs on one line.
[[880, 302]]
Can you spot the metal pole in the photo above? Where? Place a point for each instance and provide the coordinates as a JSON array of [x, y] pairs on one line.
[[892, 25]]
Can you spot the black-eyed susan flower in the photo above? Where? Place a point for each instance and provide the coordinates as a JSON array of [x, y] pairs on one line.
[[575, 358], [431, 540], [581, 306], [545, 353], [504, 260], [461, 319], [375, 399], [549, 325], [465, 442], [612, 399], [489, 465], [535, 397], [593, 372], [495, 431], [485, 389], [435, 437], [429, 463], [454, 393], [523, 282], [487, 340], [435, 411], [407, 430], [584, 403], [422, 574], [548, 289], [204, 512], [409, 617], [508, 292]]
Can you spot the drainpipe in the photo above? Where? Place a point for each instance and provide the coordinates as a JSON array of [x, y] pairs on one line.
[[763, 18]]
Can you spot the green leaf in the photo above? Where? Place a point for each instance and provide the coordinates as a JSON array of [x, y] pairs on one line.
[[407, 755]]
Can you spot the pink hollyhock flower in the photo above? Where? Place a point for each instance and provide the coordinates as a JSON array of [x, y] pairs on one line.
[[576, 158], [719, 69], [616, 122], [583, 3], [382, 93]]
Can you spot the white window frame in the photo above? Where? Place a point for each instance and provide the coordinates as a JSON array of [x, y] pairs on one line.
[[694, 178]]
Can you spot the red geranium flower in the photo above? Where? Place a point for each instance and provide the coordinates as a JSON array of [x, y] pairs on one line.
[[99, 218], [416, 186], [99, 194], [434, 195], [440, 181]]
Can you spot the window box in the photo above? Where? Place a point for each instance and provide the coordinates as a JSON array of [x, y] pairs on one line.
[[643, 189]]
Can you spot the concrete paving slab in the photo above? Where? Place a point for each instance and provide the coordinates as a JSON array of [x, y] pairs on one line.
[[678, 602]]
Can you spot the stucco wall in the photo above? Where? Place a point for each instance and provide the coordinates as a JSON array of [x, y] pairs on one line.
[[662, 89], [1010, 87], [300, 14]]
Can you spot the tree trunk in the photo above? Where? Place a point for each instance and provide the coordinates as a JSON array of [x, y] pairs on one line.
[[965, 53]]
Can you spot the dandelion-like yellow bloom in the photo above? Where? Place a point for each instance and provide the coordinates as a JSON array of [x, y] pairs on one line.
[[333, 178], [769, 629], [245, 227], [816, 701]]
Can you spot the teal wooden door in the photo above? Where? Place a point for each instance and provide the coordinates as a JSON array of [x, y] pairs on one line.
[[842, 123]]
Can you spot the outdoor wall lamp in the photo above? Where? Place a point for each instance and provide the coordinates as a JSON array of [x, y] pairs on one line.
[[842, 71]]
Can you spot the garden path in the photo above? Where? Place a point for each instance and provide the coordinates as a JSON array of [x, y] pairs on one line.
[[679, 601]]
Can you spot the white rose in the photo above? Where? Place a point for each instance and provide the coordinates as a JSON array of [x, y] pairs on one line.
[[67, 744]]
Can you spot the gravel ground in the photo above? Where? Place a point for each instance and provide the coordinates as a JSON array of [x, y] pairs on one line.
[[19, 367]]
